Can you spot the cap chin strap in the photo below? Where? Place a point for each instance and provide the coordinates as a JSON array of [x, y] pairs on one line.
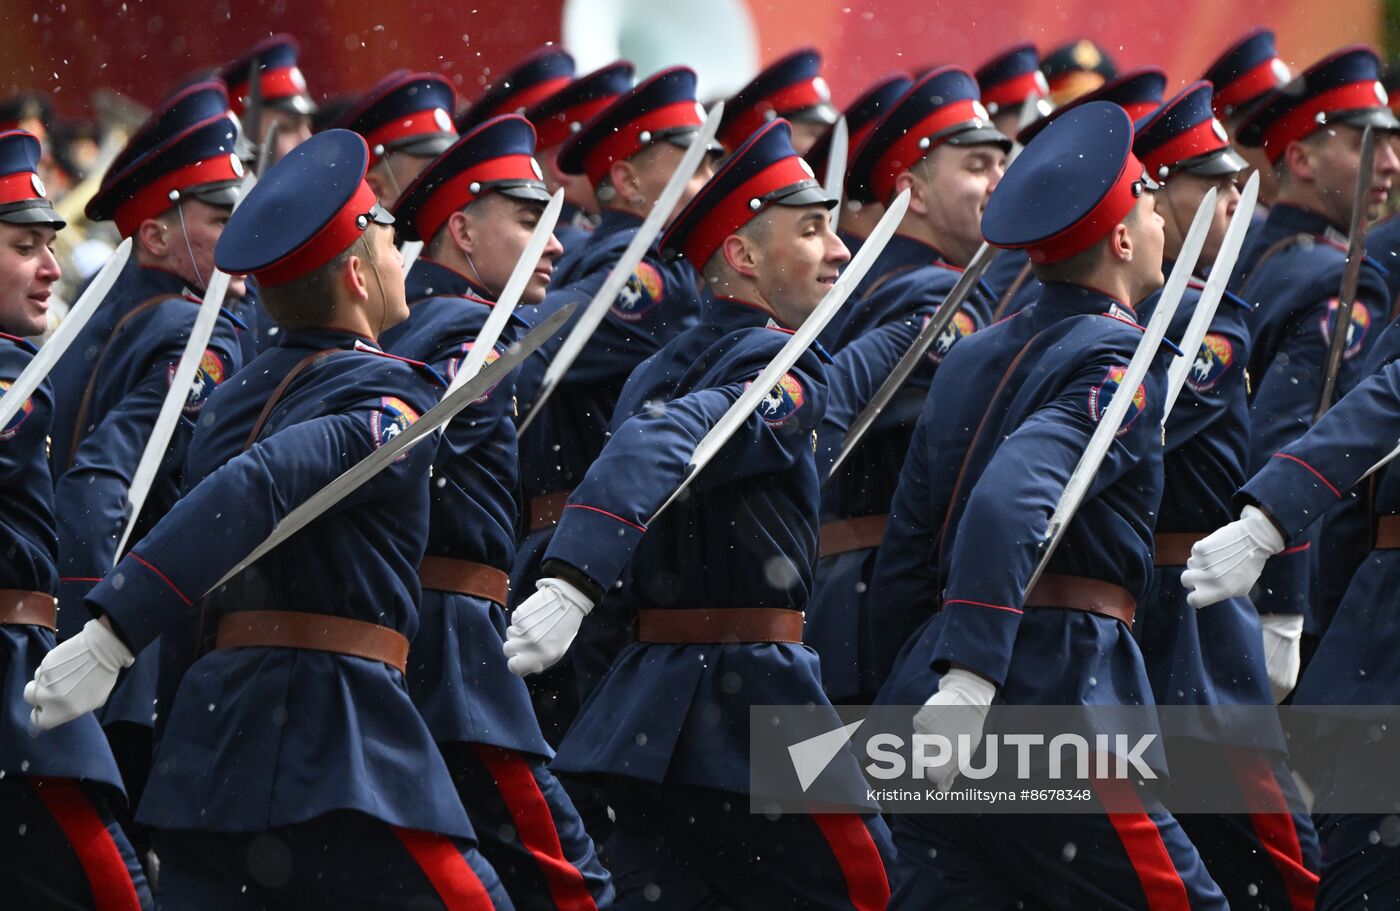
[[480, 282], [389, 170], [185, 233], [374, 267]]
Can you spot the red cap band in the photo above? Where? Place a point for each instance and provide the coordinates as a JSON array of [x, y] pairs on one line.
[[325, 245], [906, 151], [154, 198], [785, 100], [1301, 122], [1140, 109], [419, 123], [1263, 78], [456, 193], [625, 142], [1198, 140], [1093, 227], [1015, 91], [283, 82], [555, 129], [734, 211], [18, 187], [532, 95]]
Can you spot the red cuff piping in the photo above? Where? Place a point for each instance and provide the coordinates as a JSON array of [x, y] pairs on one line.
[[640, 528], [1316, 473], [1014, 610], [164, 578]]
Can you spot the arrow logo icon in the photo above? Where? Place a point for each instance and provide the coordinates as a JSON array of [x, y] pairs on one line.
[[810, 757]]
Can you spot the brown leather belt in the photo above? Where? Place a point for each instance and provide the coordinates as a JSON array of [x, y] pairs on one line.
[[1081, 593], [1388, 533], [1173, 548], [316, 632], [732, 624], [445, 574], [544, 511], [846, 535], [22, 608]]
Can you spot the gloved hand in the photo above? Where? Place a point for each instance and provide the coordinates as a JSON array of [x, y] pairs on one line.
[[1283, 635], [959, 707], [542, 629], [1227, 562], [77, 676]]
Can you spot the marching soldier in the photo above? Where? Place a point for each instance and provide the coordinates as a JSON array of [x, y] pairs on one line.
[[60, 844], [524, 85], [406, 120], [791, 88], [1211, 658], [173, 201], [1008, 416], [475, 207], [628, 154], [1310, 130], [558, 117], [938, 143], [294, 770], [285, 100], [859, 211], [666, 731]]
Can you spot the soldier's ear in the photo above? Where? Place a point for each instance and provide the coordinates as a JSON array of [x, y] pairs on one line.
[[154, 237], [622, 175], [906, 181], [353, 279], [1298, 160], [459, 228], [739, 254]]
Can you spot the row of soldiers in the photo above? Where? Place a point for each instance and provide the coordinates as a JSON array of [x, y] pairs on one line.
[[346, 721]]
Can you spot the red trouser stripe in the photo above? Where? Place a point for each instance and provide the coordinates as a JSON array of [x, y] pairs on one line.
[[515, 781], [1152, 862], [442, 862], [859, 859], [101, 859], [1273, 825]]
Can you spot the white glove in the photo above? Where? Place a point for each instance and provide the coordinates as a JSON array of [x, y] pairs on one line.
[[1227, 562], [77, 676], [969, 695], [542, 629], [1283, 634]]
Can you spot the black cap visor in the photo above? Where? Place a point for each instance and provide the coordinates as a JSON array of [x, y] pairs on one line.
[[1220, 163], [802, 193], [528, 190], [429, 145], [223, 193], [824, 113], [31, 212], [1380, 118]]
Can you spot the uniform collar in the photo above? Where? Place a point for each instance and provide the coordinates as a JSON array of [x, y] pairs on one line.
[[614, 220], [319, 339], [1065, 299], [1291, 219], [429, 278], [22, 344], [732, 313], [162, 281], [912, 250]]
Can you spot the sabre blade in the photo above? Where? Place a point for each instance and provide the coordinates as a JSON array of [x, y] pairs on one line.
[[1211, 295], [437, 416], [411, 250], [597, 308], [1351, 275], [835, 183], [43, 362], [1112, 418], [713, 441], [510, 296]]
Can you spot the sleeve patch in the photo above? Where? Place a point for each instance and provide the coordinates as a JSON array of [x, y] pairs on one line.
[[454, 362], [1102, 394], [9, 431], [391, 418], [962, 326], [1212, 361], [1356, 332], [210, 373], [782, 401], [643, 291]]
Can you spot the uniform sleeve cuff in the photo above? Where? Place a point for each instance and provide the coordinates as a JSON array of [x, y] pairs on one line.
[[977, 635], [595, 542], [139, 599], [1292, 492]]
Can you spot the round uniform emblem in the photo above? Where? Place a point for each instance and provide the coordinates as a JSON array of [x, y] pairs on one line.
[[235, 163], [391, 418], [491, 357], [442, 119], [9, 430], [782, 401], [1102, 394], [298, 79], [37, 184], [209, 374], [1280, 70], [1218, 129], [1356, 332], [1212, 361], [961, 326]]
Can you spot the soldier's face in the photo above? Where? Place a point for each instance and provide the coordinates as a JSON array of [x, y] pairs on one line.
[[805, 135], [292, 129], [577, 190], [950, 189], [652, 169], [202, 225], [28, 271], [500, 228], [1146, 233], [799, 259], [387, 305], [1177, 203], [1335, 161], [393, 172]]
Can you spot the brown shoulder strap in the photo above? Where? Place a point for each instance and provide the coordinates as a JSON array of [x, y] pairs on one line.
[[86, 404], [281, 389], [1011, 291], [893, 273], [1276, 248]]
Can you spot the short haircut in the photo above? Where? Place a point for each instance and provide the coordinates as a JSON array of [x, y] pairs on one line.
[[758, 229], [310, 301]]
